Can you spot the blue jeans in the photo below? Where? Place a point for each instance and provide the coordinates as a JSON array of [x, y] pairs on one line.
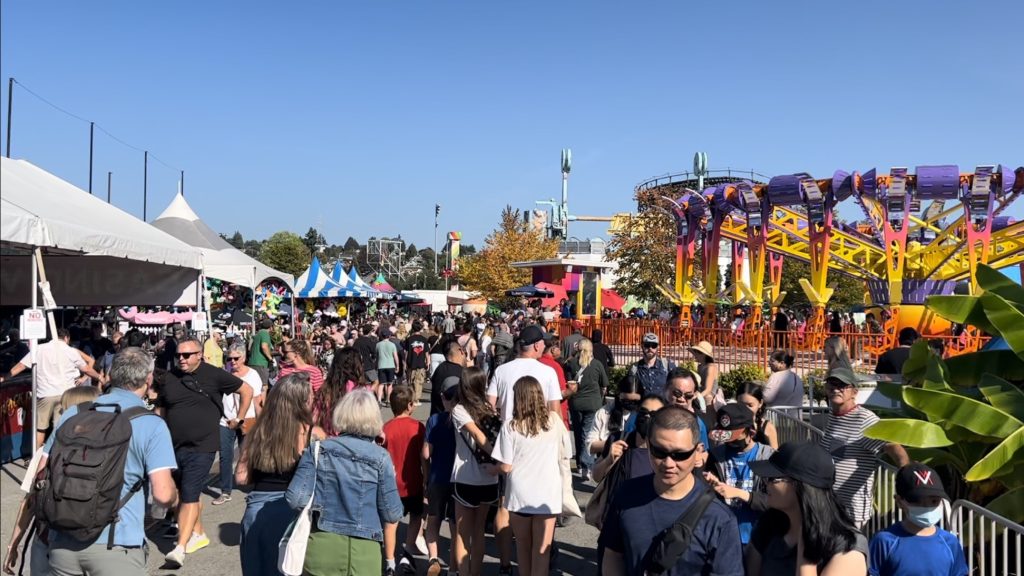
[[228, 437], [582, 422], [267, 516]]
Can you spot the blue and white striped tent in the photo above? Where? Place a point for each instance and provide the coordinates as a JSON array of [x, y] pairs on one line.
[[340, 277], [315, 283], [361, 284]]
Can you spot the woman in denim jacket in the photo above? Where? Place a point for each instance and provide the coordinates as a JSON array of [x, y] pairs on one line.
[[355, 497]]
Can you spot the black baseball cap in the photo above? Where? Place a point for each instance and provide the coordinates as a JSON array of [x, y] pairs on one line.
[[802, 461], [732, 421], [531, 335], [915, 482]]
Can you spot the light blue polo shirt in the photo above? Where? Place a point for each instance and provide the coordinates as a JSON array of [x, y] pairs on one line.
[[150, 450]]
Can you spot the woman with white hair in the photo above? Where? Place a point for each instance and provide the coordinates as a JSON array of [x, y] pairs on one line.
[[355, 495], [587, 398]]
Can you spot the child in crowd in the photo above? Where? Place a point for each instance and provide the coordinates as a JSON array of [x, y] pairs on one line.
[[439, 458], [915, 545], [403, 439]]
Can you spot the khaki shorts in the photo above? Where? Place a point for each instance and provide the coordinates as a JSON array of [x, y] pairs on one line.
[[48, 412]]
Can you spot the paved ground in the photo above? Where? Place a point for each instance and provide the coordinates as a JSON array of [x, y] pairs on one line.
[[576, 541]]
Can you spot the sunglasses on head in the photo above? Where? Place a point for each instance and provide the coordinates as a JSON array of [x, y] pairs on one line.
[[678, 456], [187, 354]]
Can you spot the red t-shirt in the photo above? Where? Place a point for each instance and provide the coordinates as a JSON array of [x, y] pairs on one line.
[[550, 361], [403, 439]]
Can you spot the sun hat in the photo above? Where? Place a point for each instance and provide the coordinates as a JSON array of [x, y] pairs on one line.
[[705, 348]]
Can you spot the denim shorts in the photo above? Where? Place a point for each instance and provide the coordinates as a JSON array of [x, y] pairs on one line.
[[192, 474]]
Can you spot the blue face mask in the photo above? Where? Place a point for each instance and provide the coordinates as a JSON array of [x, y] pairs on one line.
[[923, 516]]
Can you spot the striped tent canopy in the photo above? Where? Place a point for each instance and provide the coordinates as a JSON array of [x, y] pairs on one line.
[[315, 283], [338, 275], [361, 284]]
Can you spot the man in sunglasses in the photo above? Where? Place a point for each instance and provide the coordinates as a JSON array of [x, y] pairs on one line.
[[853, 453], [190, 398], [644, 509], [651, 370]]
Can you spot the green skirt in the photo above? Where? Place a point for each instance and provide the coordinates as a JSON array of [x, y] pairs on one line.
[[337, 555]]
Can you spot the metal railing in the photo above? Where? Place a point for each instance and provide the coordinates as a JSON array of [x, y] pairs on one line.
[[992, 544]]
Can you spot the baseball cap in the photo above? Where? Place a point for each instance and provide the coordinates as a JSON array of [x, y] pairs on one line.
[[650, 338], [802, 461], [915, 482], [450, 386], [732, 421], [531, 335], [844, 375]]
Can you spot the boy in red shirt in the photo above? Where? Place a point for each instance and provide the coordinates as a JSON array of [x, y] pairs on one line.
[[403, 439]]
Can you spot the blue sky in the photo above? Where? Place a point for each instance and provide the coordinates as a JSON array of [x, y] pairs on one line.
[[356, 117]]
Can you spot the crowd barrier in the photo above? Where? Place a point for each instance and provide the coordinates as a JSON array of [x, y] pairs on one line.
[[992, 543]]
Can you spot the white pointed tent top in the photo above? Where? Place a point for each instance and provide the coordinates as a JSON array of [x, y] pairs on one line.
[[179, 208]]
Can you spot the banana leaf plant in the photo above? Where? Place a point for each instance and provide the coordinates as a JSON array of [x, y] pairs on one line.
[[965, 415]]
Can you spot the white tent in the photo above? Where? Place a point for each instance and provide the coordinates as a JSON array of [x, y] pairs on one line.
[[221, 260], [95, 253]]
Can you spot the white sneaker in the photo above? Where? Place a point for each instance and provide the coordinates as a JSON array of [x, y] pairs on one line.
[[175, 558]]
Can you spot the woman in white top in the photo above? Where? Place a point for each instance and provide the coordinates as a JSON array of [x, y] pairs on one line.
[[527, 451], [474, 478], [784, 387]]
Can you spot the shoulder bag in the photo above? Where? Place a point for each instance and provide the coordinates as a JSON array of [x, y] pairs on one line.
[[668, 546], [291, 551]]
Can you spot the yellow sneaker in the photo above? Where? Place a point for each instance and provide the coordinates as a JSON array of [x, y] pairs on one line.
[[197, 542]]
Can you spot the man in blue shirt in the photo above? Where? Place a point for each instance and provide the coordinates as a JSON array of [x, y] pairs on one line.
[[651, 370], [915, 546], [150, 453], [644, 507]]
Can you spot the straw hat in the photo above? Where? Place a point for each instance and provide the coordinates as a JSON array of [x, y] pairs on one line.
[[704, 347]]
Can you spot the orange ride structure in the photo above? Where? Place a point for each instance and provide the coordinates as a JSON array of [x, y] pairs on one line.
[[901, 251]]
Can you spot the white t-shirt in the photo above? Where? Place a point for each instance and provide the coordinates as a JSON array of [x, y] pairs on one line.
[[535, 482], [504, 380], [784, 388], [232, 402], [57, 367], [466, 470]]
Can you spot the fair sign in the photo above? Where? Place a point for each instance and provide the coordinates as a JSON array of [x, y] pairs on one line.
[[33, 324]]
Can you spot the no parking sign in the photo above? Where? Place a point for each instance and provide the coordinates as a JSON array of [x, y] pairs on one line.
[[33, 324]]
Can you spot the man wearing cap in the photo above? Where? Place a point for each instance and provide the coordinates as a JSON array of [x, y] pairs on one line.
[[651, 370], [643, 508], [728, 467], [915, 546], [853, 453]]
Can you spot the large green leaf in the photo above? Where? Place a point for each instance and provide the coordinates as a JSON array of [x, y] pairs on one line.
[[975, 416], [992, 280], [967, 370], [1007, 319], [960, 309], [936, 457], [909, 432], [917, 363], [935, 375], [1003, 395], [1002, 455], [1009, 505]]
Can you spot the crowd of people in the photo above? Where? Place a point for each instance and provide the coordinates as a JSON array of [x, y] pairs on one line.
[[686, 481]]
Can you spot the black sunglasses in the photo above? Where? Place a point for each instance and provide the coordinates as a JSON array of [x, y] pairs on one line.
[[186, 354], [234, 358], [677, 456], [677, 393], [650, 345], [837, 384]]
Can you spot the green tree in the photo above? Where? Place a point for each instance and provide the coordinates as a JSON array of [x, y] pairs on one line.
[[849, 291], [235, 240], [351, 245], [488, 271], [285, 251], [410, 252], [314, 240]]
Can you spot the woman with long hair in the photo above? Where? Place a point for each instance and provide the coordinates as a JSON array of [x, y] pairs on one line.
[[751, 395], [298, 357], [704, 355], [346, 374], [806, 531], [474, 483], [270, 455], [591, 381], [354, 491], [784, 386], [326, 354], [527, 450]]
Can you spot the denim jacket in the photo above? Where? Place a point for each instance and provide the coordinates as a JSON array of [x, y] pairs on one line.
[[356, 491]]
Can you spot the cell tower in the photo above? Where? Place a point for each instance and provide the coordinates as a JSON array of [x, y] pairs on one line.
[[385, 256]]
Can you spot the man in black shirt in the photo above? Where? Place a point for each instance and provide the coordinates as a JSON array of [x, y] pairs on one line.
[[892, 361], [366, 345], [454, 360], [602, 353], [190, 400], [417, 359]]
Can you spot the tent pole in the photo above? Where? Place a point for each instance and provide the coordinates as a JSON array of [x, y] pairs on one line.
[[42, 278], [253, 299], [33, 344]]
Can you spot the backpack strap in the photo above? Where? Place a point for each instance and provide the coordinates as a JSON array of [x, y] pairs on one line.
[[131, 413], [668, 546]]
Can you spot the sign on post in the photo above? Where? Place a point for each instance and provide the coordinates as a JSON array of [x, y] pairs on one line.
[[33, 324]]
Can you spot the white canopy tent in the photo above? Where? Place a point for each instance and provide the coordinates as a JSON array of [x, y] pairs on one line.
[[95, 253]]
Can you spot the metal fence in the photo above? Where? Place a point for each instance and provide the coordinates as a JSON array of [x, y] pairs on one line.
[[992, 543]]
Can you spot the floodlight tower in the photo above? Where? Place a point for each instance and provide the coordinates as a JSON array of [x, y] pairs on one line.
[[562, 218]]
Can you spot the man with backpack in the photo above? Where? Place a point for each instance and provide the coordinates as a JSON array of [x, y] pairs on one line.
[[670, 522], [651, 370], [96, 462]]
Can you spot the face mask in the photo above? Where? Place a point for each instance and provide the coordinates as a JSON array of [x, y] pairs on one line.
[[922, 516], [629, 405], [737, 446], [643, 423]]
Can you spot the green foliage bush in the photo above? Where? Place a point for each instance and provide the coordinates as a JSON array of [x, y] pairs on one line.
[[731, 380]]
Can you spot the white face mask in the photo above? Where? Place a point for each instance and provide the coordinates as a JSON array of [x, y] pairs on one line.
[[923, 516]]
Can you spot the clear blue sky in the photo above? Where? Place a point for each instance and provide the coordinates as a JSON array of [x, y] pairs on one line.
[[356, 117]]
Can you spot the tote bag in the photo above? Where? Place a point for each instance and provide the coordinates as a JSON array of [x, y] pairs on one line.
[[570, 507], [291, 551]]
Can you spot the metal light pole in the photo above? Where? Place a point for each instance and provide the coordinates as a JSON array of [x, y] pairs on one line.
[[563, 216], [700, 168], [92, 129], [145, 182], [437, 212], [10, 104], [109, 176]]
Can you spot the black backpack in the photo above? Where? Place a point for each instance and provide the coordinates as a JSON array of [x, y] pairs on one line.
[[80, 491]]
